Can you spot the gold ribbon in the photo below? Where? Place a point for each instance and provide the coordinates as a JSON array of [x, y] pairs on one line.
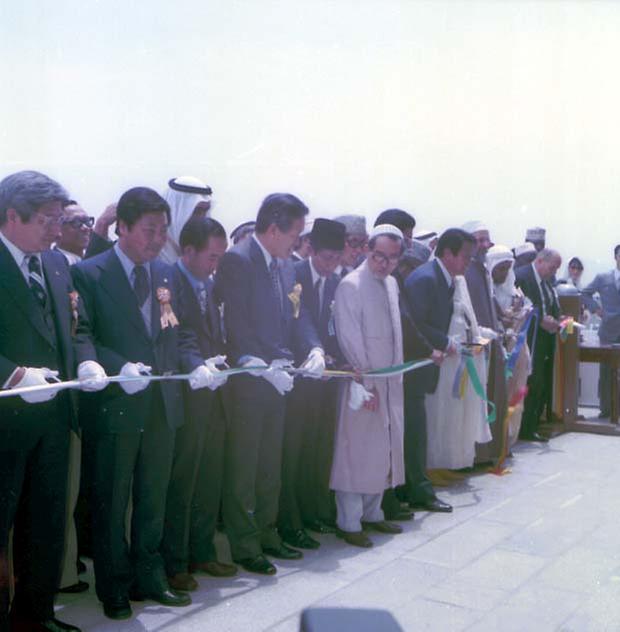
[[168, 318]]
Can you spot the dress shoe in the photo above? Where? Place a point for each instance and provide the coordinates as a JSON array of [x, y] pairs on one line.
[[182, 581], [433, 504], [533, 436], [214, 568], [283, 552], [166, 597], [320, 527], [78, 587], [259, 564], [300, 539], [400, 516], [19, 624], [383, 527], [117, 608], [355, 538]]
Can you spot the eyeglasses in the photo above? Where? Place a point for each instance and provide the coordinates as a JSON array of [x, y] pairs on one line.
[[352, 242], [78, 222], [379, 257]]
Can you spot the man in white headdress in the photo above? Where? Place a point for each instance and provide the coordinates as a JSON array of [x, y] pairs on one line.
[[537, 236], [187, 196], [368, 451], [427, 237]]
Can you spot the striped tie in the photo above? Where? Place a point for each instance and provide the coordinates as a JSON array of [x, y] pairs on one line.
[[35, 279], [275, 282]]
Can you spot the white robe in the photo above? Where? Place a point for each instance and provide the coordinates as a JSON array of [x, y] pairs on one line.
[[368, 450], [454, 426]]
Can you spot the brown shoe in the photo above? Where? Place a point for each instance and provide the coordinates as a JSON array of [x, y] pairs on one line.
[[355, 538], [182, 581], [215, 568], [383, 527]]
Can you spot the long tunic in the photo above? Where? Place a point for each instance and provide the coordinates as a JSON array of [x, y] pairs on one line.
[[368, 451]]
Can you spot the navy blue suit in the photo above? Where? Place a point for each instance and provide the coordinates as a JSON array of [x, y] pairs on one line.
[[34, 438], [540, 381], [194, 492], [132, 436], [255, 326], [311, 413], [429, 301]]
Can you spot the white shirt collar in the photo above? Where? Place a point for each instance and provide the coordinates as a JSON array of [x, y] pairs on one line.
[[536, 275], [18, 254], [128, 264], [268, 257], [445, 272], [71, 257], [315, 275]]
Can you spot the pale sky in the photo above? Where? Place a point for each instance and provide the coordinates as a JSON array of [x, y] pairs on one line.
[[501, 111]]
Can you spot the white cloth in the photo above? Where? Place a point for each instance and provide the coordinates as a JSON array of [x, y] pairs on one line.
[[454, 426], [137, 369], [352, 508], [182, 206], [503, 292]]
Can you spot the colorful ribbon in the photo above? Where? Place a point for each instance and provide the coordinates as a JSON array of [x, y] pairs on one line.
[[467, 370], [511, 362]]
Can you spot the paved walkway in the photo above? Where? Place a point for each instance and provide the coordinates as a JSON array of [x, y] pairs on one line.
[[537, 549]]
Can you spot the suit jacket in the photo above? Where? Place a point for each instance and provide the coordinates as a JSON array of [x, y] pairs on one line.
[[26, 340], [415, 345], [430, 304], [120, 336], [97, 245], [526, 280], [605, 285], [254, 325], [313, 328]]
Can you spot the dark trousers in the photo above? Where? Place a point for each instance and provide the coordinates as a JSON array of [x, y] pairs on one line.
[[136, 463], [307, 454], [253, 458], [194, 491], [539, 384], [417, 487], [33, 482]]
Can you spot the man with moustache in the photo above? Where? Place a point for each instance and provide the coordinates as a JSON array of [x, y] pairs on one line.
[[130, 300], [255, 282], [39, 338]]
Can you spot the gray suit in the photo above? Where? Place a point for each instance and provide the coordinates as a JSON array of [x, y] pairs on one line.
[[609, 297]]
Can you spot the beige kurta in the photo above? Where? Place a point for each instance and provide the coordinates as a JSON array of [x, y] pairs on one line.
[[368, 451]]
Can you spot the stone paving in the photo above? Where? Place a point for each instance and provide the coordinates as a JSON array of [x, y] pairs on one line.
[[537, 549]]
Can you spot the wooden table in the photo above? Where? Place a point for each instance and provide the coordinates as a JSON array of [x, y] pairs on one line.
[[609, 355]]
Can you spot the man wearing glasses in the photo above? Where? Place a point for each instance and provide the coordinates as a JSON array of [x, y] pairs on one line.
[[76, 228], [355, 243]]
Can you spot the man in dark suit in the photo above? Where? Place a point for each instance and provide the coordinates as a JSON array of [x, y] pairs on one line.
[[535, 281], [130, 300], [38, 339], [311, 407], [255, 282], [429, 290], [194, 492]]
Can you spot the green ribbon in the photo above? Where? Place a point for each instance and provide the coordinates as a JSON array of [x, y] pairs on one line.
[[478, 389]]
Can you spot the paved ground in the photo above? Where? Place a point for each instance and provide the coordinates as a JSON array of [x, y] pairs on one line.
[[537, 549]]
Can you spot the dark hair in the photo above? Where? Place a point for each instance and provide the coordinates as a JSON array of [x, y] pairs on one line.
[[27, 192], [69, 203], [197, 231], [396, 217], [453, 240], [281, 209], [373, 241], [575, 261], [138, 202], [616, 250]]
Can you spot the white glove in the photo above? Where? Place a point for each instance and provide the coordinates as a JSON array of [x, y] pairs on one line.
[[218, 378], [201, 377], [278, 377], [358, 396], [134, 369], [37, 377], [253, 361], [93, 376], [488, 333], [314, 365]]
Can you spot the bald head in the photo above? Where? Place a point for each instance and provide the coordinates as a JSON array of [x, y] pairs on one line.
[[547, 263]]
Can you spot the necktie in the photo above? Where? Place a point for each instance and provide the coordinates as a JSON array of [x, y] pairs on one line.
[[140, 284], [546, 297], [35, 280], [275, 282], [202, 298]]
